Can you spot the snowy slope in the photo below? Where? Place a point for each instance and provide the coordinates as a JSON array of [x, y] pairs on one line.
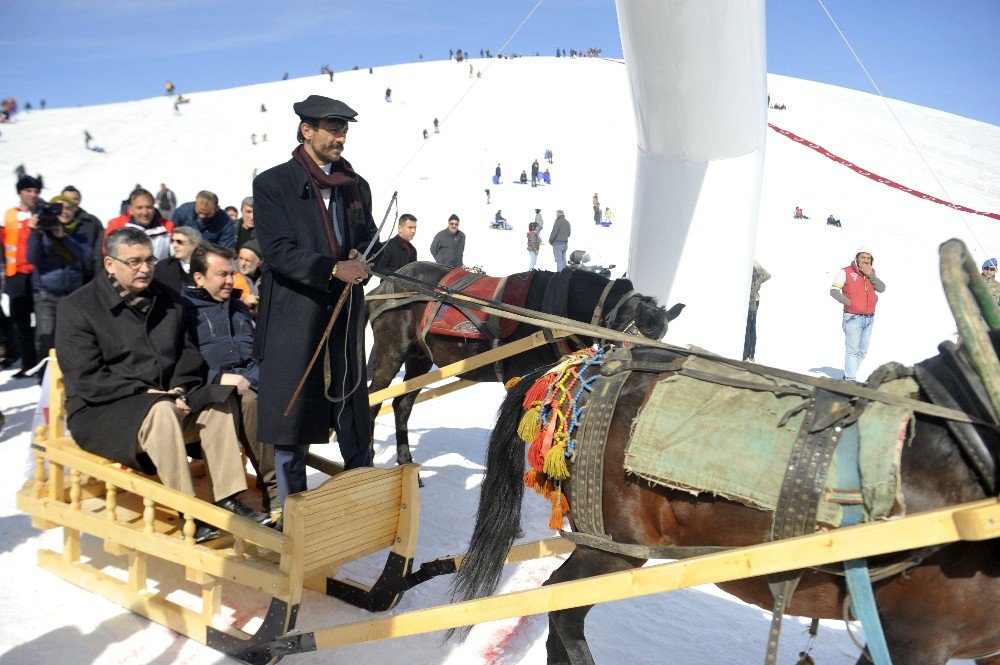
[[580, 109]]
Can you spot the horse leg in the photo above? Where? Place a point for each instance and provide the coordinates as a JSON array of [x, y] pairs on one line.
[[402, 406], [390, 359], [566, 643]]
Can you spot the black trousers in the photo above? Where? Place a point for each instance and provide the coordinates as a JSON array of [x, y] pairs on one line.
[[18, 289], [750, 340]]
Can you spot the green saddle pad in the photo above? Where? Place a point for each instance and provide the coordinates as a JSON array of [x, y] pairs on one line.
[[700, 436]]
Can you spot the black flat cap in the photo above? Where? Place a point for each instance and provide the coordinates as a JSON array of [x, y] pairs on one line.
[[28, 182], [319, 107]]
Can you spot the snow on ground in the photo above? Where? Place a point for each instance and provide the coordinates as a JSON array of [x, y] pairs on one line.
[[510, 115]]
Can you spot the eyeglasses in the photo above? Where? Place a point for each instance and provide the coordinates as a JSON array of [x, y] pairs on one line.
[[990, 269], [134, 263]]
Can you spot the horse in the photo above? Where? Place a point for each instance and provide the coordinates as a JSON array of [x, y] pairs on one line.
[[397, 334], [941, 608]]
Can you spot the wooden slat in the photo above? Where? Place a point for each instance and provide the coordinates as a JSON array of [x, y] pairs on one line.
[[922, 530], [376, 531]]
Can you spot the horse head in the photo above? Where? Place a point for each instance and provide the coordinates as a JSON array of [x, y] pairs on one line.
[[642, 314]]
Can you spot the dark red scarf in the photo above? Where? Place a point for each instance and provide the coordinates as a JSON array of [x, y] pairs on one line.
[[341, 175]]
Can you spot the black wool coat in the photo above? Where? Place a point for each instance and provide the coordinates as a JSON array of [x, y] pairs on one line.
[[111, 355], [297, 298], [396, 254]]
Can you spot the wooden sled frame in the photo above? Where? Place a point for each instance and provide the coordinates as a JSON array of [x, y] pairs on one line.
[[349, 516]]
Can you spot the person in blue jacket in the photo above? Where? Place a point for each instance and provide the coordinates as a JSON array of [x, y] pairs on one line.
[[59, 249], [224, 333], [205, 215]]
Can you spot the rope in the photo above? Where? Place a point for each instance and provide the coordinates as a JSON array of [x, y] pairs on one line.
[[903, 128], [475, 81]]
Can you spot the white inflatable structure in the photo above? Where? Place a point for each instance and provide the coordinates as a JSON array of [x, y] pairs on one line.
[[697, 72]]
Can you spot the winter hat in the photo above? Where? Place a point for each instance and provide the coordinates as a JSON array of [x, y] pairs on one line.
[[253, 246], [28, 182], [866, 251], [989, 262]]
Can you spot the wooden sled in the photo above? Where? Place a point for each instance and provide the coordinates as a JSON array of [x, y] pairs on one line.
[[349, 516]]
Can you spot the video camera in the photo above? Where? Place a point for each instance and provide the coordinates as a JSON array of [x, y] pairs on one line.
[[48, 216]]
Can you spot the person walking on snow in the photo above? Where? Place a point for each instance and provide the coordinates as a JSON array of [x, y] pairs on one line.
[[856, 287], [757, 277], [534, 243], [559, 239]]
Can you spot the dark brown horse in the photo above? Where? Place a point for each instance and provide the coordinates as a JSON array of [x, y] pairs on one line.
[[943, 607], [397, 334]]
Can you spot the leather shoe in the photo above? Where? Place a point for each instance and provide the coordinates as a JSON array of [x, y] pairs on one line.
[[205, 532], [278, 524], [237, 507]]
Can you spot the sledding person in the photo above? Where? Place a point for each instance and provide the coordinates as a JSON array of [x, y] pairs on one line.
[[144, 216], [399, 249], [205, 215], [524, 177], [448, 246], [990, 277], [224, 333], [136, 384], [313, 219], [856, 287], [832, 222]]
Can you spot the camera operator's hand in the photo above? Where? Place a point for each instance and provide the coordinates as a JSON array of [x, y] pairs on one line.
[[58, 231], [353, 270], [33, 222]]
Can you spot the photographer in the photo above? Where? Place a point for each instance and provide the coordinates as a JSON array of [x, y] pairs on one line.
[[60, 251]]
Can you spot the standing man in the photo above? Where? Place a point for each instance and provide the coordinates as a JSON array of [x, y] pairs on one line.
[[245, 230], [856, 287], [448, 246], [91, 228], [990, 277], [166, 201], [534, 173], [399, 249], [757, 277], [205, 215], [18, 222], [496, 175], [313, 219], [143, 215], [559, 239]]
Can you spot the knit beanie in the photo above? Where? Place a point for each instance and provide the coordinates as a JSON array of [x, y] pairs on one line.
[[28, 182]]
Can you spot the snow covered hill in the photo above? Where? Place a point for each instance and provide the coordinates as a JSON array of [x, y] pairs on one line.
[[581, 109]]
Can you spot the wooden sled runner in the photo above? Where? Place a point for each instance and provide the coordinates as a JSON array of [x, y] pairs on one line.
[[349, 516]]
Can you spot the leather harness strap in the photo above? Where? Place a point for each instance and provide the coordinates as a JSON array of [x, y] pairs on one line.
[[493, 324], [598, 316], [641, 551]]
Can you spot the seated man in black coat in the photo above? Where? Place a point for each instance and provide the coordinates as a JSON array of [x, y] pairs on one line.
[[399, 249], [137, 383]]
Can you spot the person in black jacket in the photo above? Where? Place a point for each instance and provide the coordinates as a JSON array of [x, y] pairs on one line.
[[136, 383], [399, 249], [313, 219], [91, 227], [174, 272]]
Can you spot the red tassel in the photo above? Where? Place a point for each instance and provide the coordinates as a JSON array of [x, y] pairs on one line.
[[536, 453], [529, 478], [536, 393]]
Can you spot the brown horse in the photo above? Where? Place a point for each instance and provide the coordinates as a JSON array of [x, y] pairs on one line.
[[943, 607], [397, 334]]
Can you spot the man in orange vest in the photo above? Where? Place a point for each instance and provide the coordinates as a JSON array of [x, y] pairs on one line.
[[17, 225], [856, 287]]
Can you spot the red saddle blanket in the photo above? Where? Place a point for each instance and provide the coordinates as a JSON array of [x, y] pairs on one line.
[[443, 319]]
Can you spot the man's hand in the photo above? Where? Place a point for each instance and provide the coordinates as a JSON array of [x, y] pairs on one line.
[[179, 403], [58, 232], [866, 270], [353, 270], [241, 383], [33, 222]]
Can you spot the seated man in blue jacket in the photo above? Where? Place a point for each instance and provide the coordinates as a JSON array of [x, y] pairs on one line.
[[211, 221], [224, 334], [61, 252]]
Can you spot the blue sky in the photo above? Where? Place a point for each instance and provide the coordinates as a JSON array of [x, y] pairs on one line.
[[944, 55]]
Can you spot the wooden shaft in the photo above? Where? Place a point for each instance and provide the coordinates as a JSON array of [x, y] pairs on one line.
[[446, 389], [976, 520], [462, 366]]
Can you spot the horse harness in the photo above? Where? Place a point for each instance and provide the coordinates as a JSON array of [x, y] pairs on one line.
[[947, 380]]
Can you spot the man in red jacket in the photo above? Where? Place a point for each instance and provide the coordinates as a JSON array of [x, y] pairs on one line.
[[856, 287]]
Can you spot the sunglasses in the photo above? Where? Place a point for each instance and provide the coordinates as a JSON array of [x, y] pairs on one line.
[[990, 268]]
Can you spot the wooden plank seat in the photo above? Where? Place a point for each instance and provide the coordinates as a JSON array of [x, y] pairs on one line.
[[350, 515]]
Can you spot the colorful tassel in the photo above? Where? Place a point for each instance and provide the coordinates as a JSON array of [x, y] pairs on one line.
[[555, 460], [560, 509], [511, 383], [529, 426], [530, 477], [536, 393]]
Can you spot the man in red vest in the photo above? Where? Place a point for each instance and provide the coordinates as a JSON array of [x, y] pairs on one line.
[[856, 287]]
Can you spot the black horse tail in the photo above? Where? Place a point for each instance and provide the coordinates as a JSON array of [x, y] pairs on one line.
[[498, 519]]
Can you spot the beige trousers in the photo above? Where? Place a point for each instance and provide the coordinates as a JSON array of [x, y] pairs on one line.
[[164, 432]]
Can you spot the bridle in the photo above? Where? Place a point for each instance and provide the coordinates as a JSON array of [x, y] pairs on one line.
[[607, 320]]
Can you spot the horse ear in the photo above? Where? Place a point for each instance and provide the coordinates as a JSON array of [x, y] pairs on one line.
[[674, 311]]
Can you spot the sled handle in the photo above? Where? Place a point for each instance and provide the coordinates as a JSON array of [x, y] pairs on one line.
[[974, 310]]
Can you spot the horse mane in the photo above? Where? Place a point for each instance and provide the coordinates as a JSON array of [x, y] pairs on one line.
[[499, 515]]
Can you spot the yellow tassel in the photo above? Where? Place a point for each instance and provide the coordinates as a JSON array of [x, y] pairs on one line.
[[560, 508], [511, 383], [528, 428], [555, 461]]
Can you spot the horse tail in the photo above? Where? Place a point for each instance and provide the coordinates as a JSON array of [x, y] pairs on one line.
[[498, 519]]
